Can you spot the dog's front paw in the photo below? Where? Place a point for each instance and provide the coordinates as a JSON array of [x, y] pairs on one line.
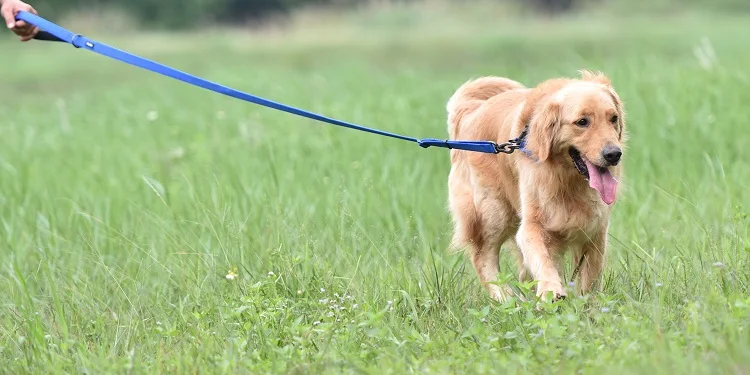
[[550, 291]]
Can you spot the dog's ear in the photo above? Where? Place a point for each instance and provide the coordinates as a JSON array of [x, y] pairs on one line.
[[620, 112], [543, 127]]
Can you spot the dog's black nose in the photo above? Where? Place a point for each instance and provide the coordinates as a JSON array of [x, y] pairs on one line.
[[612, 154]]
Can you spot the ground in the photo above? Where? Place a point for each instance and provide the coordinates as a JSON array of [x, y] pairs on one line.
[[153, 227]]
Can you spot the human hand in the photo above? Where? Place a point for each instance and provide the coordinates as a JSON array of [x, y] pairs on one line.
[[9, 10]]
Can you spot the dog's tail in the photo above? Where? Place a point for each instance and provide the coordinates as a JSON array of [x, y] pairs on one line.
[[471, 95]]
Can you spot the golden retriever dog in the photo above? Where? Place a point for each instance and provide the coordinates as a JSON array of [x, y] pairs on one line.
[[552, 195]]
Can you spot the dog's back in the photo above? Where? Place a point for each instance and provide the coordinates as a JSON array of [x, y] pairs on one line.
[[471, 95]]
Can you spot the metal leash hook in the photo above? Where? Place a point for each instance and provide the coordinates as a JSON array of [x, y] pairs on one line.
[[507, 147], [518, 143]]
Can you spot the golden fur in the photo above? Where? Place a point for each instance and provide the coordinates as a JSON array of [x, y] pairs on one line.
[[542, 203]]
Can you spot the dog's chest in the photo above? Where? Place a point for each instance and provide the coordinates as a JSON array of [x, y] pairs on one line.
[[571, 218]]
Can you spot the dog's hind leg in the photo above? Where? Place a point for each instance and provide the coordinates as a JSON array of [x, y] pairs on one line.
[[496, 226], [461, 203], [481, 225]]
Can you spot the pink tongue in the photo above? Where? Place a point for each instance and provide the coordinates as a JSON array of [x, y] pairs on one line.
[[603, 182]]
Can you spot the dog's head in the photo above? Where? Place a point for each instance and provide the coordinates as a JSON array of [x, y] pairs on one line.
[[581, 123]]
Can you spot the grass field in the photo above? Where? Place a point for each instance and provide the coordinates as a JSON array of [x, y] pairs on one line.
[[127, 198]]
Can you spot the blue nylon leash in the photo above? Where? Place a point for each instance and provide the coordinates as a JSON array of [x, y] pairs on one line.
[[52, 32]]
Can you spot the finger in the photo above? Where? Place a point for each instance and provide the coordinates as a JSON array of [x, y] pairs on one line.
[[7, 14], [21, 24], [21, 30], [29, 34]]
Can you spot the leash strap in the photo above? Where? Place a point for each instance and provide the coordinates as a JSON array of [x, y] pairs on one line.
[[53, 32]]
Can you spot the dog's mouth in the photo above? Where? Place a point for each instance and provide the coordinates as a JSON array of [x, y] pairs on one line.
[[599, 178]]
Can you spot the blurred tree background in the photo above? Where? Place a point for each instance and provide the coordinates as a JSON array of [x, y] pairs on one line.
[[185, 14]]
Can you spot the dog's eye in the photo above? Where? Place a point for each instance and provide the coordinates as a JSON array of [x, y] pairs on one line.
[[613, 119], [583, 122]]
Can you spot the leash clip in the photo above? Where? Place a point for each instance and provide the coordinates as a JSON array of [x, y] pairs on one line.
[[517, 143], [507, 147]]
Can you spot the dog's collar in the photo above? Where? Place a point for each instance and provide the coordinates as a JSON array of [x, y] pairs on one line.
[[521, 141]]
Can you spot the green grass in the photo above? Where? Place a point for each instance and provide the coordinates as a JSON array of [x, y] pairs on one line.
[[126, 198]]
